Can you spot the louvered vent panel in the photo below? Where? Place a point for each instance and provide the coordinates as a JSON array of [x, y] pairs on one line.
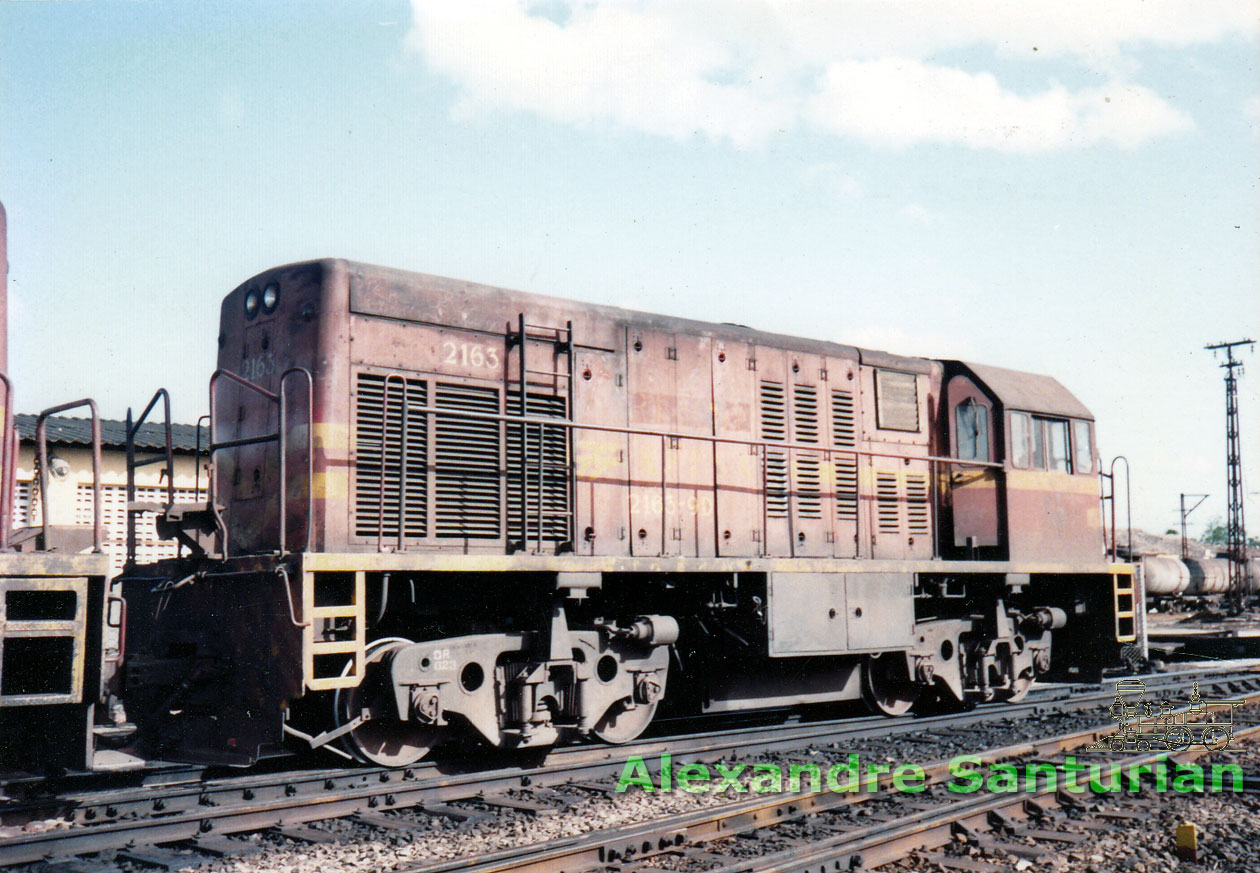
[[916, 503], [390, 444], [774, 429], [467, 464], [844, 436], [805, 413], [548, 465], [888, 509], [808, 486]]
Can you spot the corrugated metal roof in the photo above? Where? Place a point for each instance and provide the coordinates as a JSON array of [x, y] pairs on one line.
[[69, 431], [1030, 392]]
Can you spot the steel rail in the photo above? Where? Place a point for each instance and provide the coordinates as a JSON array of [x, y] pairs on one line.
[[866, 848], [174, 792], [254, 803], [882, 844]]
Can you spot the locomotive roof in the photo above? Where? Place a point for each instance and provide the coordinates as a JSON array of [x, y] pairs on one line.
[[394, 293], [454, 299], [1031, 392]]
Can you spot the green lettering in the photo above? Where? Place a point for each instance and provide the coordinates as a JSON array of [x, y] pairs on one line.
[[1048, 771], [872, 776], [794, 777], [635, 773], [965, 779], [1003, 778], [693, 773], [1235, 777], [851, 784], [1189, 778], [730, 776], [909, 778], [766, 777]]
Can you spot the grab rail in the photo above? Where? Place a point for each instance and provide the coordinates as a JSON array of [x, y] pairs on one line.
[[281, 399], [41, 436], [133, 428]]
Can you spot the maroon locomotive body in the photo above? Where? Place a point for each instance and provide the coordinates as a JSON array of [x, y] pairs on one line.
[[442, 507]]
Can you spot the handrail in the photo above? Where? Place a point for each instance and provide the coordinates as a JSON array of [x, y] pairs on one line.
[[281, 399], [759, 448], [310, 457], [197, 454], [8, 459], [41, 436], [1128, 506], [133, 428], [701, 437]]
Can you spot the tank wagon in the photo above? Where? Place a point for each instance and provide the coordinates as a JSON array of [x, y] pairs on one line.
[[59, 619], [443, 509]]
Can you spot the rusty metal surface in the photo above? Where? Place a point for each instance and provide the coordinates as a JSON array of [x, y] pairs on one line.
[[1030, 392], [334, 316]]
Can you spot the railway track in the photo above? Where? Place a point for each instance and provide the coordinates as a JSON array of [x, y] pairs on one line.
[[823, 830], [145, 821]]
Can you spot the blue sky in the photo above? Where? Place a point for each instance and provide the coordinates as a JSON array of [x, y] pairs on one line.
[[1034, 185]]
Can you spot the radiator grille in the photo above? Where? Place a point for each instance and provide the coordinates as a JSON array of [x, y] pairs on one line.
[[808, 486], [888, 510], [547, 471], [805, 413], [917, 503], [774, 429], [844, 436], [390, 439], [467, 479]]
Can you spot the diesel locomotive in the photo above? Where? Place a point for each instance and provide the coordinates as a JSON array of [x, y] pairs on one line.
[[444, 510], [59, 617]]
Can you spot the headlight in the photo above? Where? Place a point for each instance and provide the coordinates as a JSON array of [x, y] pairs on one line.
[[270, 296], [251, 304]]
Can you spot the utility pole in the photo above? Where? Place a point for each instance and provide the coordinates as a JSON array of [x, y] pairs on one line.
[[1185, 541], [1236, 527]]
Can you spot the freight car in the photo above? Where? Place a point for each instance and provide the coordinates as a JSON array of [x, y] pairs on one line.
[[59, 620], [1169, 578], [441, 509]]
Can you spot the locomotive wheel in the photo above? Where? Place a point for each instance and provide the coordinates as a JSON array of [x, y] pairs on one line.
[[1179, 739], [383, 740], [621, 725], [1215, 738], [886, 684], [1019, 689]]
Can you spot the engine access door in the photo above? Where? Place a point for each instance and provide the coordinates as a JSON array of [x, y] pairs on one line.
[[975, 489]]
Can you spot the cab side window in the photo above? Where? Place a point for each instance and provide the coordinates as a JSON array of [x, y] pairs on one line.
[[1019, 440], [1041, 443], [971, 424], [1082, 447], [1057, 442]]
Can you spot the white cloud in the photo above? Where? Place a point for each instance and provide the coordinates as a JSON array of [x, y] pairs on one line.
[[903, 102], [742, 70]]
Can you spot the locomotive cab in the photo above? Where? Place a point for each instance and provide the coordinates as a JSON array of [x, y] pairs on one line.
[[1023, 486]]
